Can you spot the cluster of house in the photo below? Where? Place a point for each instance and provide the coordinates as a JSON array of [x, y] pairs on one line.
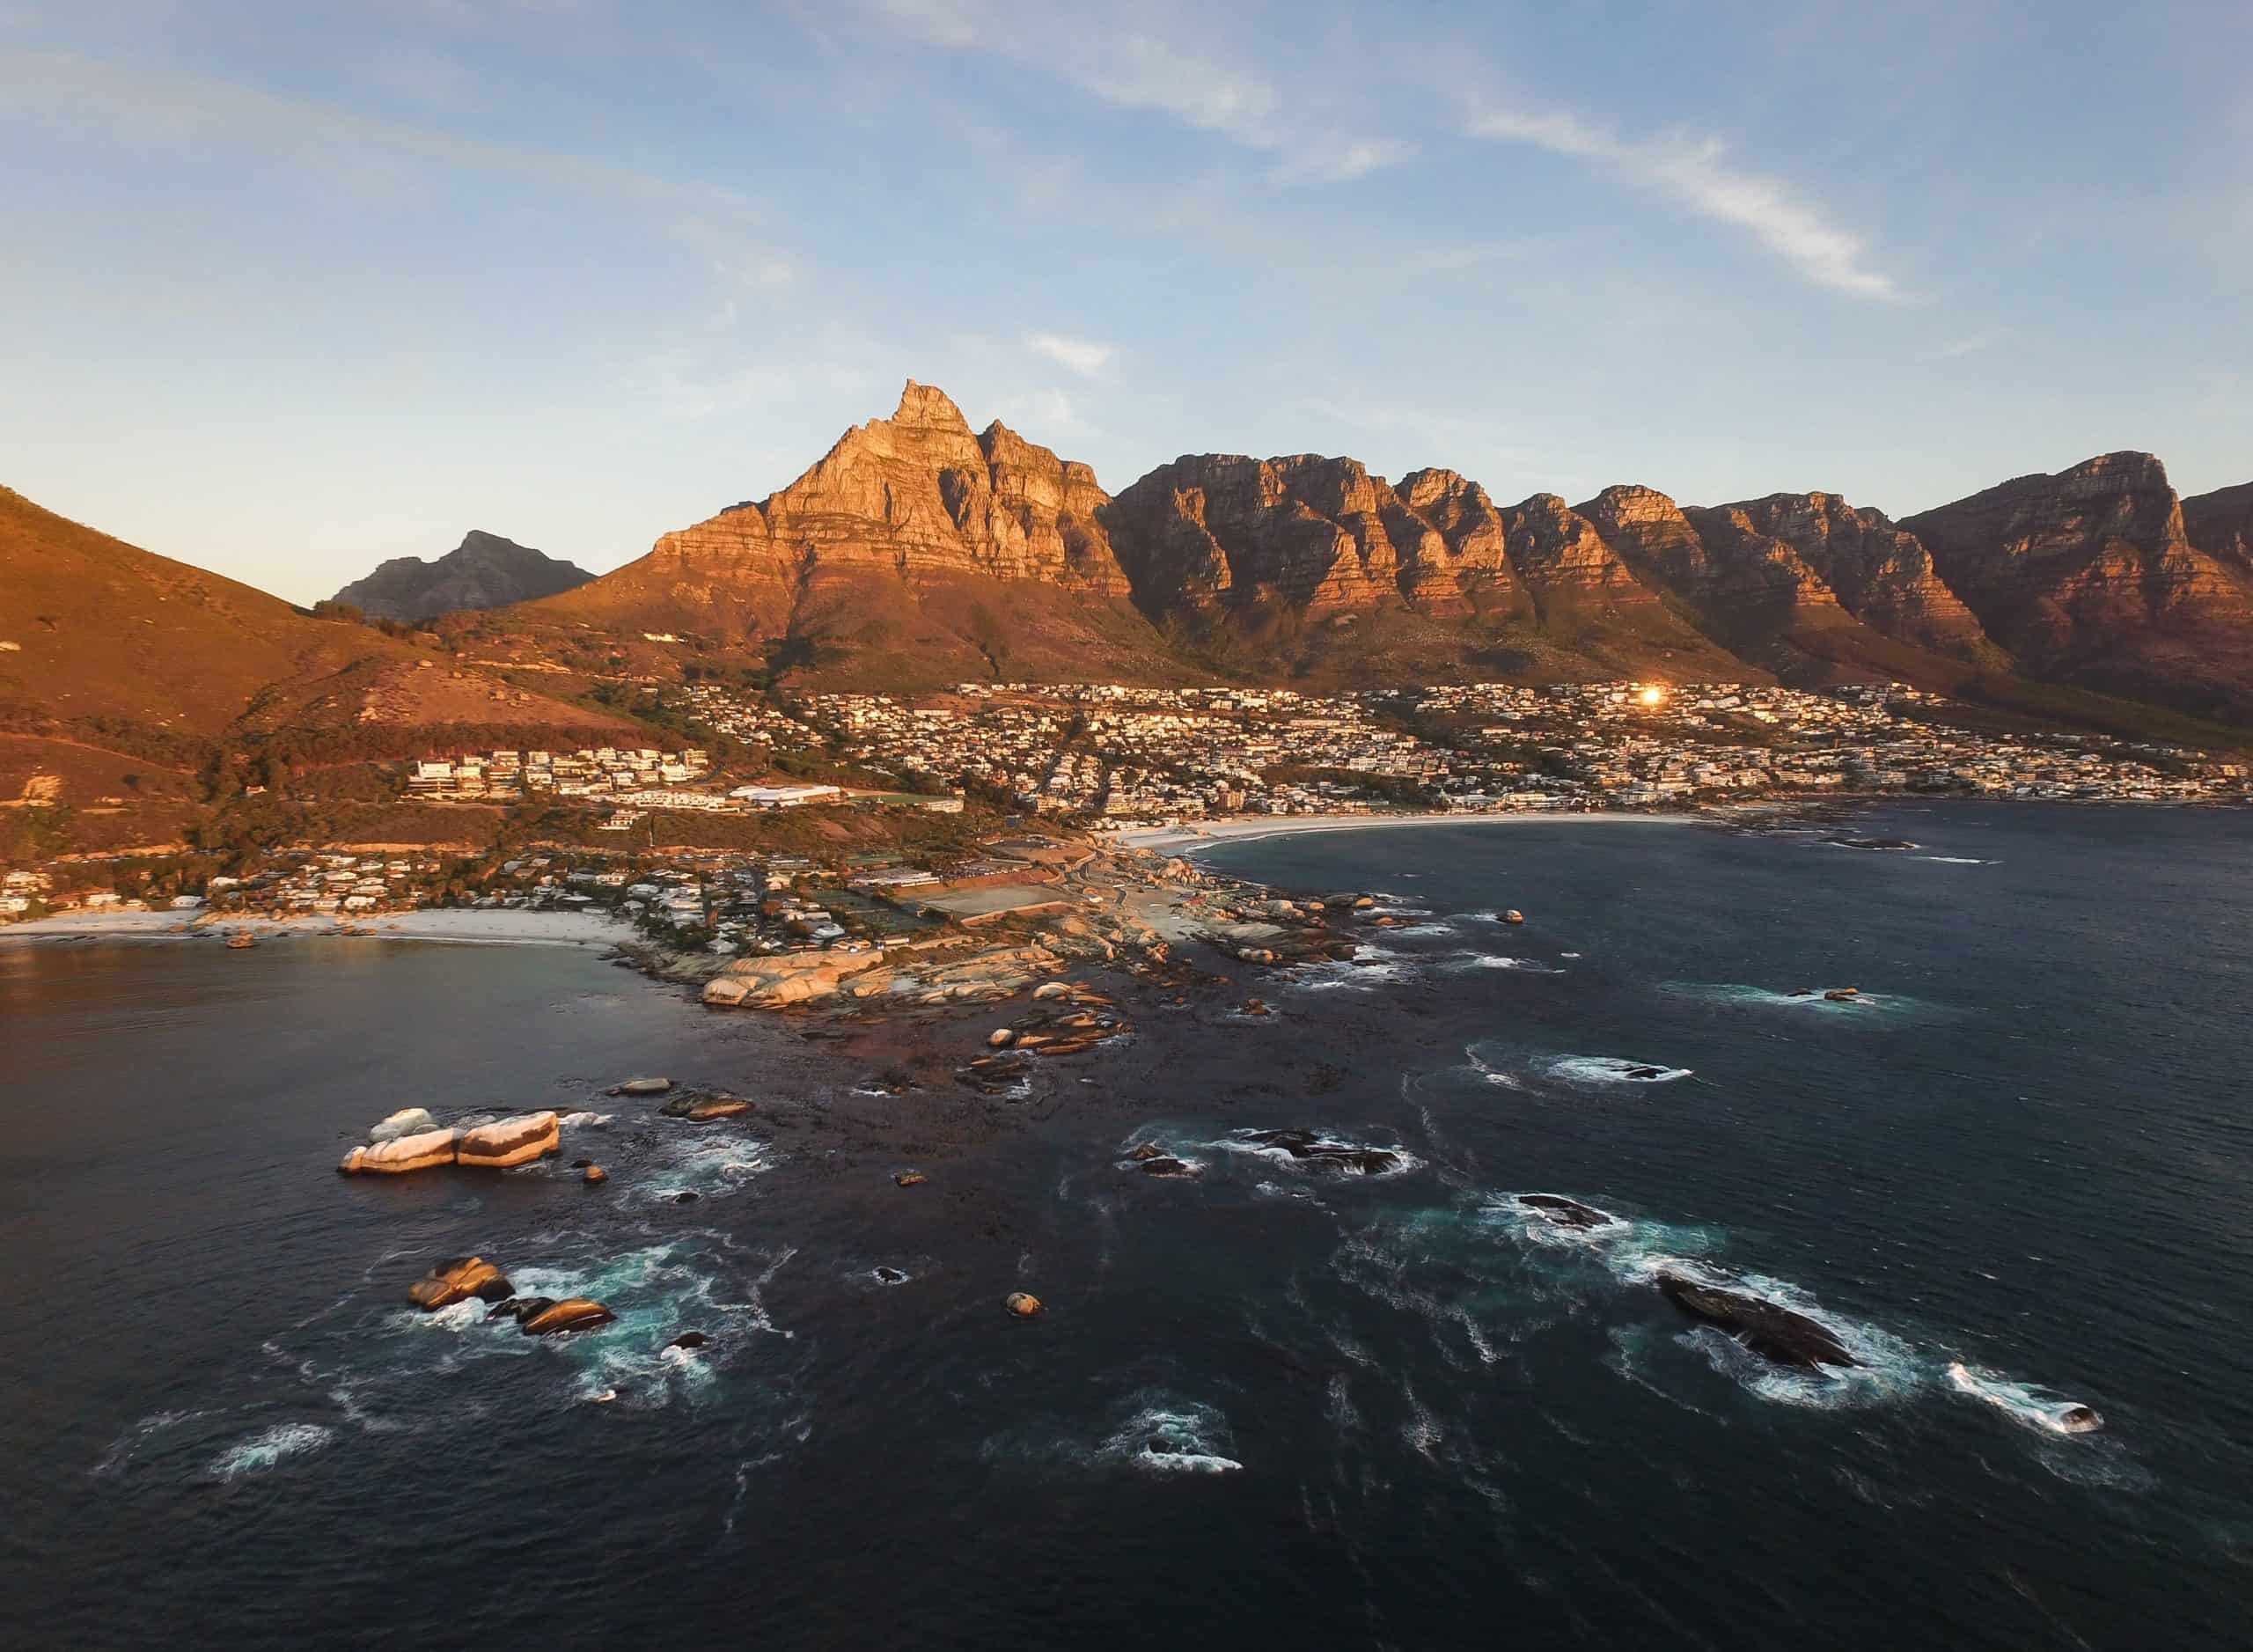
[[304, 880], [1115, 751], [21, 891], [1130, 754], [1618, 743], [637, 776]]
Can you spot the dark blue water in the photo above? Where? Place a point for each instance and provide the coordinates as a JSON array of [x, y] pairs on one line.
[[1265, 1405]]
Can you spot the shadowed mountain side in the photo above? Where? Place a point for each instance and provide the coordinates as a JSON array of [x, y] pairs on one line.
[[483, 571], [2088, 577]]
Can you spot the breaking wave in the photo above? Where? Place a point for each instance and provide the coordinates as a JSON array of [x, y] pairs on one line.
[[275, 1445]]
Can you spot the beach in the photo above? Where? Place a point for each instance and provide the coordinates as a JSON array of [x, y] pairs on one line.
[[457, 926], [1241, 827]]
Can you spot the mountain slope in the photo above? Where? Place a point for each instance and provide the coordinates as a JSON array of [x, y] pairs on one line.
[[483, 571], [104, 629], [114, 644]]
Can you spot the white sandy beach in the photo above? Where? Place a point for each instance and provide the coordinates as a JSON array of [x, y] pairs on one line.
[[456, 926], [1207, 833]]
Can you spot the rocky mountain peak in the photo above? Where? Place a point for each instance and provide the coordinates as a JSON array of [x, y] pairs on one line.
[[926, 406]]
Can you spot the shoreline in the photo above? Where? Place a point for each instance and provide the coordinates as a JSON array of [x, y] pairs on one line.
[[1243, 828], [444, 925]]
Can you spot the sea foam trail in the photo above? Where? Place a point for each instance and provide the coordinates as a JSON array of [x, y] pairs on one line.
[[2023, 1402], [264, 1450], [1613, 1070], [1172, 1436]]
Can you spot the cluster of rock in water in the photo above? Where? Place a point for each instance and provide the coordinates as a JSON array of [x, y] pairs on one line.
[[1078, 1018], [460, 1278]]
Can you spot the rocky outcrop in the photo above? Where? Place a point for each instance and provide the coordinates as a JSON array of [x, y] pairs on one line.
[[789, 978], [457, 1280], [2088, 575], [406, 1121], [1775, 1333], [425, 1151], [483, 571], [511, 1141], [1881, 572], [573, 1313]]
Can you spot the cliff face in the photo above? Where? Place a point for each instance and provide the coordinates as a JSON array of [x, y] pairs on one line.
[[1304, 534], [2089, 576], [1881, 574], [1474, 539], [483, 571], [2220, 524]]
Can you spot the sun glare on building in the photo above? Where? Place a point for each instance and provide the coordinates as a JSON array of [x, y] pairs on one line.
[[1652, 695]]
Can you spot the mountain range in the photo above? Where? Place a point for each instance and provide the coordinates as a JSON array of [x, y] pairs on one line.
[[918, 552]]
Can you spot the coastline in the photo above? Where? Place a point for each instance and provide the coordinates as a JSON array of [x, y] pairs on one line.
[[447, 926], [1242, 827]]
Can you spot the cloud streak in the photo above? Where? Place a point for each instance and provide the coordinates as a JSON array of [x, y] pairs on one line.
[[1137, 69], [1084, 357], [1696, 174]]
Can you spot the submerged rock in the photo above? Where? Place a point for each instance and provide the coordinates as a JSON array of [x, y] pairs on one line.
[[1566, 1213], [910, 1178], [457, 1279], [641, 1087], [689, 1340], [396, 1157], [519, 1308], [511, 1141], [1166, 1165], [2080, 1419], [573, 1313], [702, 1108], [1512, 915], [1309, 1149], [594, 1176], [1773, 1332], [891, 1275], [1843, 994]]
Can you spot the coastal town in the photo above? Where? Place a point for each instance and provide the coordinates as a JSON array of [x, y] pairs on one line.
[[1108, 763]]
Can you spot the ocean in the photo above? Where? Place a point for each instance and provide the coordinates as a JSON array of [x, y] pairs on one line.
[[1269, 1402]]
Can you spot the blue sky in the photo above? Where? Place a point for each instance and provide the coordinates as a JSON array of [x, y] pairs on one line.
[[285, 288]]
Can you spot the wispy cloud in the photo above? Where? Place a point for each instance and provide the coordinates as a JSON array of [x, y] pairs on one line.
[[1697, 175], [1956, 349], [186, 110], [1084, 357], [1140, 68]]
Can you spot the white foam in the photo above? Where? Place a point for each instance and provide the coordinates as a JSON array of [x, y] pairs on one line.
[[1613, 1070], [262, 1451], [1171, 1436], [1403, 1160], [580, 1120], [2022, 1403], [1496, 960], [1957, 860]]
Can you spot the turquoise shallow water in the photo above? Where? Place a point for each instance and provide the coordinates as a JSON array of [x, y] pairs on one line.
[[1265, 1401]]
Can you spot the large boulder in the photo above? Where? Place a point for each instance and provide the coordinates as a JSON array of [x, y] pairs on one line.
[[406, 1121], [573, 1313], [511, 1141], [1775, 1333], [457, 1279], [421, 1152], [700, 1108]]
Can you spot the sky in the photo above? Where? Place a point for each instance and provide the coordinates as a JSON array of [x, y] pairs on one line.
[[286, 289]]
